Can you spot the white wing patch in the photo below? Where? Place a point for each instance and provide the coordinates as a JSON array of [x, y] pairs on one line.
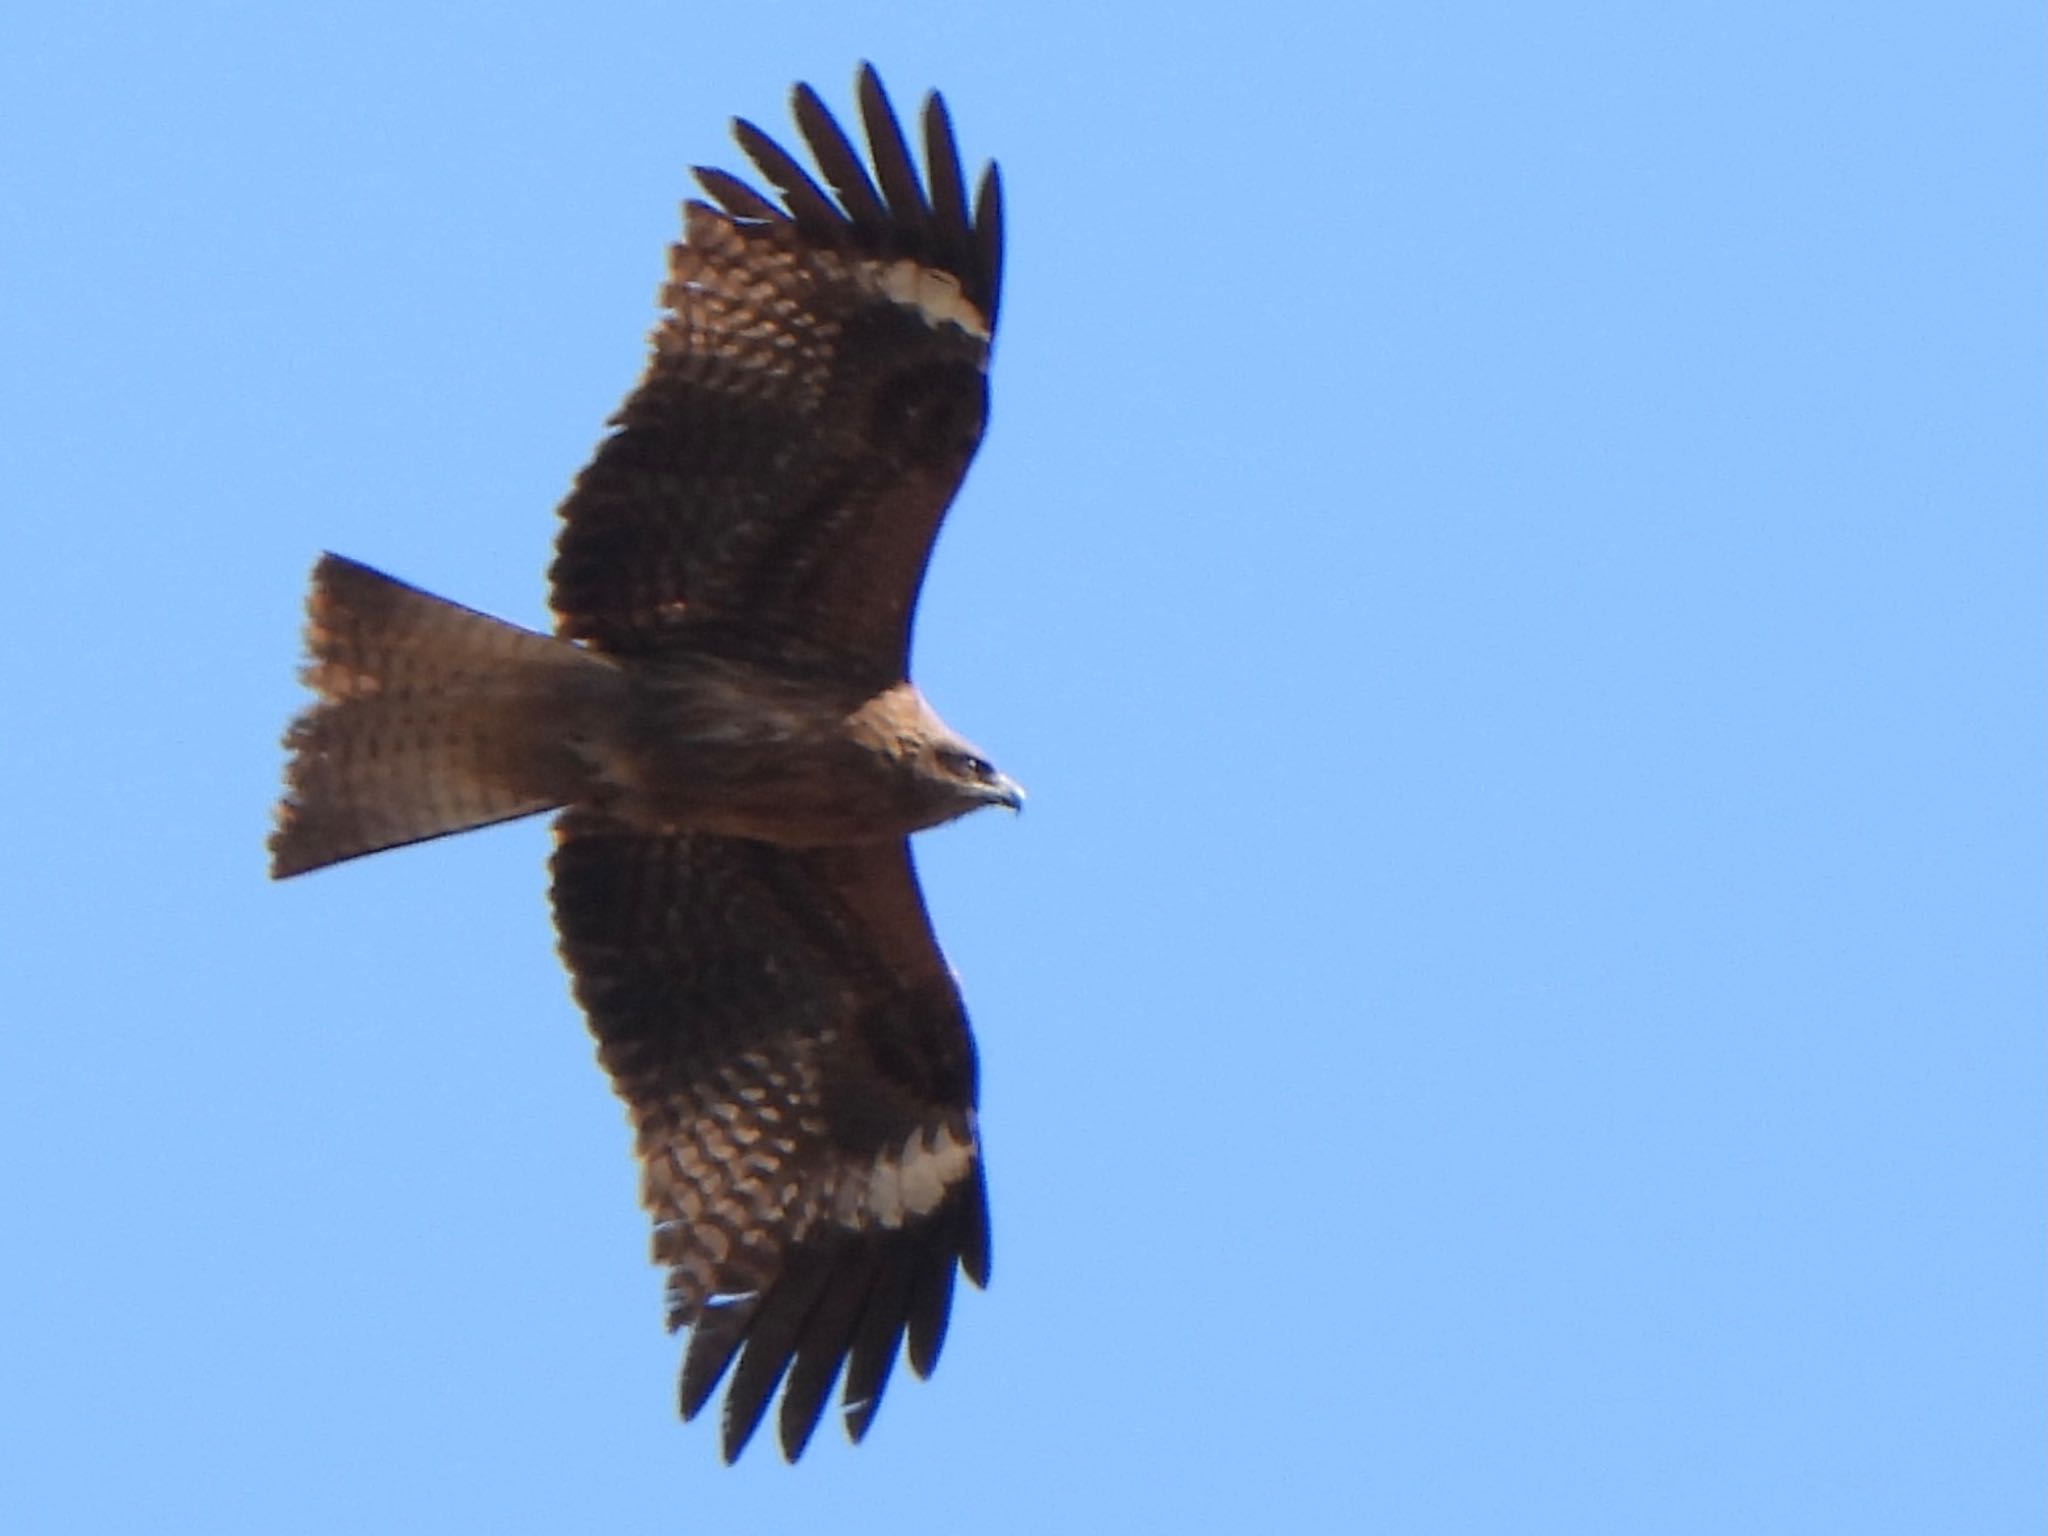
[[906, 1181], [936, 296]]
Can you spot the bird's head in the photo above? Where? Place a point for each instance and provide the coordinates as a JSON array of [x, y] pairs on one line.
[[938, 774], [972, 778]]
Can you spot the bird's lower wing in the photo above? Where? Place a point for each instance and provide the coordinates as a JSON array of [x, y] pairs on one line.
[[801, 1082]]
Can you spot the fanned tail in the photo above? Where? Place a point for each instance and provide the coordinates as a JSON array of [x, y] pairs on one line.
[[432, 718]]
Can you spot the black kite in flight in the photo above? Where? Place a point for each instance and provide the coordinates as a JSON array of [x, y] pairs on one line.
[[725, 721]]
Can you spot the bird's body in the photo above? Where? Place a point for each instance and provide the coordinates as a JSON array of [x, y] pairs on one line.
[[743, 750], [725, 719]]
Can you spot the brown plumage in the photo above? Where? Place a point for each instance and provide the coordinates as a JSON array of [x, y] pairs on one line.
[[725, 719]]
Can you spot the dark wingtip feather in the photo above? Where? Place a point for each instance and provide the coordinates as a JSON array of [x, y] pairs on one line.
[[771, 1341], [894, 166], [715, 1335], [878, 1338], [931, 1304], [988, 240], [840, 162], [808, 205], [821, 1350], [974, 1240], [735, 196], [948, 193]]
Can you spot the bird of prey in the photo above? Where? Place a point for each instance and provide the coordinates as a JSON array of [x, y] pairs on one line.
[[723, 718]]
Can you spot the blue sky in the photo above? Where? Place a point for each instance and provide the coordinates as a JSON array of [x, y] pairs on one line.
[[1509, 557]]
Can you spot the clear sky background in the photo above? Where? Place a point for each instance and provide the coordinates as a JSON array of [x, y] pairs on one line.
[[1509, 557]]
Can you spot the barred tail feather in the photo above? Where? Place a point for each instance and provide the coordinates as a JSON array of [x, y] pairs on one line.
[[432, 718]]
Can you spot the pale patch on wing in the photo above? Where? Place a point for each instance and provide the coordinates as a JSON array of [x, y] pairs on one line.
[[906, 1181], [936, 296]]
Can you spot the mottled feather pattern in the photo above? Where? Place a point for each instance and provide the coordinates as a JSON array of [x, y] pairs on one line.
[[803, 1102], [814, 395], [431, 718]]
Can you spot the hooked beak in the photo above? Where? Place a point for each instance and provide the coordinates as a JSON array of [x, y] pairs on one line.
[[1004, 790]]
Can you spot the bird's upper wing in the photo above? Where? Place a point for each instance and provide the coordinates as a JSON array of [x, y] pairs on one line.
[[816, 390], [802, 1083]]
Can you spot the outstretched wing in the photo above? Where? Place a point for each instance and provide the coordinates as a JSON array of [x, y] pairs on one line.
[[802, 1084], [816, 390]]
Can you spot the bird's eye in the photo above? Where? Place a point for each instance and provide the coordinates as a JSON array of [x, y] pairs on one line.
[[968, 766]]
